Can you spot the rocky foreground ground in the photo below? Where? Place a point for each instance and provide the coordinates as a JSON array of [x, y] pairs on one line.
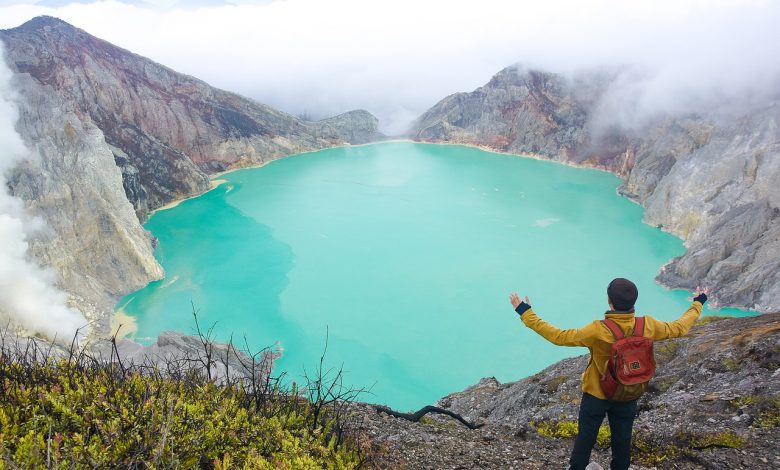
[[714, 404]]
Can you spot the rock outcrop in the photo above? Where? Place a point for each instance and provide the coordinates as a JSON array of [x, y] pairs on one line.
[[714, 403], [113, 133], [174, 352], [712, 180], [724, 360]]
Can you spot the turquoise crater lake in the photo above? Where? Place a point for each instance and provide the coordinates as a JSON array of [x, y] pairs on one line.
[[405, 253]]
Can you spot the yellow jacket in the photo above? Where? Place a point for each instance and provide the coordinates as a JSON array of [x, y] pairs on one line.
[[598, 338]]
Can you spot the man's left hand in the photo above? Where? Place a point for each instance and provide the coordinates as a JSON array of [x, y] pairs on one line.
[[514, 299]]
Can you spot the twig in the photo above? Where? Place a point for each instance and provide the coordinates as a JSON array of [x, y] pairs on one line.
[[424, 411]]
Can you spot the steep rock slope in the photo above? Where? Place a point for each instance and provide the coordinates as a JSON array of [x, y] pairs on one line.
[[714, 403], [713, 181], [93, 239], [169, 130], [717, 362], [113, 133]]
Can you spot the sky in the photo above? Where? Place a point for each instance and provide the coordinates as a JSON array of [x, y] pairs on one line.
[[396, 58]]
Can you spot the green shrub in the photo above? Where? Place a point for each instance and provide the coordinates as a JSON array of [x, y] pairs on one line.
[[747, 400], [731, 364], [666, 350], [565, 429], [727, 439], [81, 413], [769, 414], [650, 454]]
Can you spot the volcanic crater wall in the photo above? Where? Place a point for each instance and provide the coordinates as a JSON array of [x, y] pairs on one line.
[[711, 179], [114, 136]]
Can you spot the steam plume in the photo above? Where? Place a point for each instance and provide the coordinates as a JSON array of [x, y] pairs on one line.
[[28, 296]]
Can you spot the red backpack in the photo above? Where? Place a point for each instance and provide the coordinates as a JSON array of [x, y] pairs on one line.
[[631, 363]]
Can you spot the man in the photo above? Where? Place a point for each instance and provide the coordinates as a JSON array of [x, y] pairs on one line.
[[597, 337]]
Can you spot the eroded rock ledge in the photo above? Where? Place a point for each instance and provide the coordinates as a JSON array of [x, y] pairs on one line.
[[714, 403]]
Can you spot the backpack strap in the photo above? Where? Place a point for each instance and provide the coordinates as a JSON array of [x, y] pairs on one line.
[[639, 326], [614, 328]]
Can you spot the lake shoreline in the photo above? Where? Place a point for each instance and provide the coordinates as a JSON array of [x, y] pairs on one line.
[[381, 231], [213, 184], [216, 180], [123, 325]]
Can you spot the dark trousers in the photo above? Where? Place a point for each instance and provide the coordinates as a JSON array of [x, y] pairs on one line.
[[621, 421]]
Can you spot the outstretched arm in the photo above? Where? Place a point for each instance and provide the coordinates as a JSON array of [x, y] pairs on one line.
[[679, 327], [572, 337]]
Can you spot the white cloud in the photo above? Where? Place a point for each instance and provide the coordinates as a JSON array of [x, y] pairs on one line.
[[4, 3], [396, 58]]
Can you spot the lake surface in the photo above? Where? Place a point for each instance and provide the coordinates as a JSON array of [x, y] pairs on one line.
[[405, 254]]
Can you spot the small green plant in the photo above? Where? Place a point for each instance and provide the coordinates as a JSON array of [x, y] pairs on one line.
[[747, 400], [769, 416], [726, 439], [551, 386], [711, 318], [768, 419], [649, 454], [426, 421], [667, 350], [731, 364], [663, 385], [567, 429]]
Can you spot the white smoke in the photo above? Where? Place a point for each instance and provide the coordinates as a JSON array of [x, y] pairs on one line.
[[28, 296]]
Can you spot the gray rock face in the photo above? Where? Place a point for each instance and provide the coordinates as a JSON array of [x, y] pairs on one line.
[[174, 352], [115, 136], [356, 127], [716, 388], [525, 112], [723, 199], [713, 181], [171, 129], [93, 239], [722, 377]]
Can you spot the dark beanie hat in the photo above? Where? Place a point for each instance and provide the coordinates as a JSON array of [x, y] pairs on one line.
[[622, 293]]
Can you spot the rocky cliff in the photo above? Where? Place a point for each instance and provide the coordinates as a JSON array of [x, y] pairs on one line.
[[93, 238], [714, 403], [169, 130], [710, 179], [113, 133]]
